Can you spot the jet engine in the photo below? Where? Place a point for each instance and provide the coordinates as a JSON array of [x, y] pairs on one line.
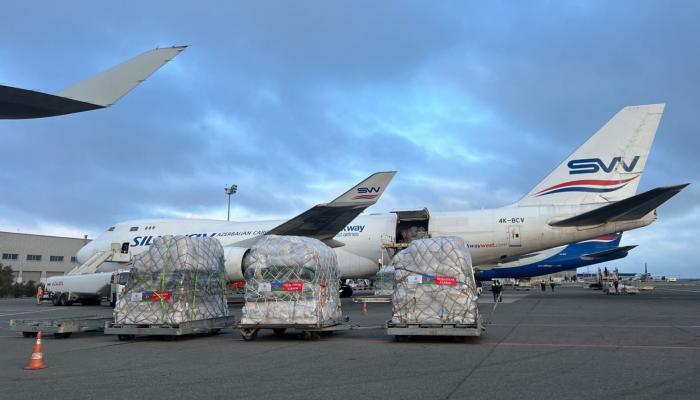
[[235, 265]]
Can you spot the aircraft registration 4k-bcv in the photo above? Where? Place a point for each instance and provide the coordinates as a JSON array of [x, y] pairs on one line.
[[591, 193]]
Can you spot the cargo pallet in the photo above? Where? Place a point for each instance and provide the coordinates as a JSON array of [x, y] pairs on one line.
[[168, 331], [621, 290], [404, 330], [308, 331], [61, 328]]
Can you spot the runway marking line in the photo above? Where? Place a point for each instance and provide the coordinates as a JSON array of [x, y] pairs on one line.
[[599, 326], [602, 346], [29, 312], [678, 290]]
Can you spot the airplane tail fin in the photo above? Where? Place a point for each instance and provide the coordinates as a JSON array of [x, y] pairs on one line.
[[608, 166], [109, 86], [324, 221], [367, 191]]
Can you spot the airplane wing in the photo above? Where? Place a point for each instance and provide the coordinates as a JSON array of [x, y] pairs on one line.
[[324, 221], [99, 91], [16, 103], [628, 209], [611, 254]]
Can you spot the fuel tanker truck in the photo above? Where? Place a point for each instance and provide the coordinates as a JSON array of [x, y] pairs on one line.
[[86, 289]]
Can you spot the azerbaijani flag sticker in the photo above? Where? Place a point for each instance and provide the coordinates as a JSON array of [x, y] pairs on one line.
[[155, 296], [287, 286]]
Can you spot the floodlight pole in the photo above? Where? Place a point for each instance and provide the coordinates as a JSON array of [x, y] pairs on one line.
[[230, 191]]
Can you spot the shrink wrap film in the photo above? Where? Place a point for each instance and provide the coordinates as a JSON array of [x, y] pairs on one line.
[[434, 283], [179, 279], [384, 281], [291, 280]]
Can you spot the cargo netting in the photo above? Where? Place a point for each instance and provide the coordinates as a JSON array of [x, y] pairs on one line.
[[179, 279], [384, 281], [291, 280], [434, 283]]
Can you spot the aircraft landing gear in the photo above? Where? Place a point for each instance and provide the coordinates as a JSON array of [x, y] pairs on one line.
[[345, 290]]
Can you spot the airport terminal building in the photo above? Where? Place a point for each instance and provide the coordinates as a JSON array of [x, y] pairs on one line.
[[36, 257]]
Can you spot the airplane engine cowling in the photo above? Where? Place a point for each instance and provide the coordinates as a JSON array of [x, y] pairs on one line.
[[234, 262]]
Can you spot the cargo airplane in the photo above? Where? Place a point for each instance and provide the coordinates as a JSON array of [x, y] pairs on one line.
[[591, 193], [563, 258]]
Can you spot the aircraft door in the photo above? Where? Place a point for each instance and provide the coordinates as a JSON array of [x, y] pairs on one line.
[[514, 239]]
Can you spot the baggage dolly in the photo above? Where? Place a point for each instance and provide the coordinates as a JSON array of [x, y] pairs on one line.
[[61, 328], [168, 331], [308, 331], [454, 330], [370, 299]]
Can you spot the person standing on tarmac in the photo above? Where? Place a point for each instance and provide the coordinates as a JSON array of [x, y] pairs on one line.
[[496, 288], [543, 285], [39, 294], [551, 283], [616, 283]]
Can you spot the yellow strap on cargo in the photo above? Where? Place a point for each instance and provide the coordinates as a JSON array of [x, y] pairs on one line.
[[168, 243]]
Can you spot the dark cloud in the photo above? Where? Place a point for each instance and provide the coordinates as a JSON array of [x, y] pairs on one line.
[[473, 104]]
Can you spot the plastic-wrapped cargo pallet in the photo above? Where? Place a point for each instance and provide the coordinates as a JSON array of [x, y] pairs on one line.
[[179, 279], [434, 283], [291, 280], [384, 281]]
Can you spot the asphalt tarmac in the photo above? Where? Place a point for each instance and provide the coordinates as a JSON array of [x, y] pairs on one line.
[[572, 343]]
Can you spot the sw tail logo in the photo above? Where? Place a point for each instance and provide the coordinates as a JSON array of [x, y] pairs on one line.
[[367, 193], [593, 165]]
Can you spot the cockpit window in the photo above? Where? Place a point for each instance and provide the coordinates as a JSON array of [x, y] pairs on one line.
[[133, 229], [110, 229]]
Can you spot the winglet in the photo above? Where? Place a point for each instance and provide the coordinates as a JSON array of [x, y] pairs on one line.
[[324, 221], [366, 192], [109, 86]]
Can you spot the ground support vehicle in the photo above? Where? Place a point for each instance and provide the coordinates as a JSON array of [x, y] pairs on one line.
[[364, 300], [621, 289]]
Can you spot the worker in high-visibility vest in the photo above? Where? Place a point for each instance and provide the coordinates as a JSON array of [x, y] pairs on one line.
[[496, 288], [39, 294]]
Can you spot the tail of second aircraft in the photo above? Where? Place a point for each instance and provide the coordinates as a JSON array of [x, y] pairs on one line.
[[608, 166]]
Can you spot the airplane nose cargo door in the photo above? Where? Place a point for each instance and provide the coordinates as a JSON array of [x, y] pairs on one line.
[[514, 236]]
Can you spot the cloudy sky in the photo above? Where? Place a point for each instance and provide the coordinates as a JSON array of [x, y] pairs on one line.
[[295, 101]]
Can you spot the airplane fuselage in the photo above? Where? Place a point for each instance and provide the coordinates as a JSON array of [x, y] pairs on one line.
[[493, 235]]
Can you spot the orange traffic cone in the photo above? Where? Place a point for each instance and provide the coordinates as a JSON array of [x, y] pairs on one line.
[[37, 360]]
